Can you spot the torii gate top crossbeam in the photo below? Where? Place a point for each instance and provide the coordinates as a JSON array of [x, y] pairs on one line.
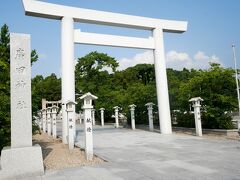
[[53, 11]]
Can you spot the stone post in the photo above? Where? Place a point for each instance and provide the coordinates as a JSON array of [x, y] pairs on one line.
[[44, 120], [196, 104], [161, 83], [49, 121], [102, 116], [132, 109], [39, 117], [150, 115], [93, 117], [21, 159], [54, 121], [116, 109], [70, 108], [87, 106], [80, 116]]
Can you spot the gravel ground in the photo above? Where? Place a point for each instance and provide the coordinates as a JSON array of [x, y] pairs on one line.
[[57, 155]]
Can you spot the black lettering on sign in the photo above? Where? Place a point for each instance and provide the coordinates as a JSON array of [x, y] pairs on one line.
[[21, 105], [89, 129], [20, 54], [21, 69]]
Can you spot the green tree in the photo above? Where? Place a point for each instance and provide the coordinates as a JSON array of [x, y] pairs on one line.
[[217, 87], [4, 87], [48, 88]]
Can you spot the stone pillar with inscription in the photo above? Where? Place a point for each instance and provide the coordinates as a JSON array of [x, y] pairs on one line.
[[54, 121], [70, 108], [132, 109], [102, 116], [87, 106], [21, 159], [150, 115], [49, 121]]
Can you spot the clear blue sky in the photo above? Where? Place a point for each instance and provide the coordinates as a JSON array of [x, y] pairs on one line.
[[213, 25]]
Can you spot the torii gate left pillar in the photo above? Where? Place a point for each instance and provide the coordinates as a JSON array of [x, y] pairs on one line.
[[68, 70]]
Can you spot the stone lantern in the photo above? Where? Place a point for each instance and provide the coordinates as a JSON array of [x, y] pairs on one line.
[[54, 121], [49, 121], [196, 104], [132, 109], [88, 106], [70, 108], [150, 115], [116, 109]]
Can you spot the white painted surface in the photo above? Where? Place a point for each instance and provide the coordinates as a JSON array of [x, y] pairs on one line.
[[113, 40], [161, 83], [68, 69], [54, 11]]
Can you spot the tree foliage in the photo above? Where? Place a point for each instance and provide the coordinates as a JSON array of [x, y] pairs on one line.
[[217, 87], [137, 85]]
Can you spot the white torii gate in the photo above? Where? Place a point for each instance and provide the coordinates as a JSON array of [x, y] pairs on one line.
[[69, 15]]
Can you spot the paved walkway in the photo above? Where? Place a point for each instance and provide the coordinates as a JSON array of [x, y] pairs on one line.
[[146, 155]]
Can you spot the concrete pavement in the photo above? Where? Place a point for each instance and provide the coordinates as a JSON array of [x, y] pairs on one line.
[[149, 155]]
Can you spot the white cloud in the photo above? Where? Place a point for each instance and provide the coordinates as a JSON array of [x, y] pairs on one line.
[[200, 56], [179, 60], [175, 56], [174, 59], [141, 58]]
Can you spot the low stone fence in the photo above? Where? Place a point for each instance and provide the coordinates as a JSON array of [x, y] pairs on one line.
[[215, 132]]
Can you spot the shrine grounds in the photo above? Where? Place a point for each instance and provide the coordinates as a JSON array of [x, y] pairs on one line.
[[147, 155]]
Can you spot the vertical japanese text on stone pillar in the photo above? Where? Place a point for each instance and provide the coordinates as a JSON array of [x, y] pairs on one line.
[[21, 111]]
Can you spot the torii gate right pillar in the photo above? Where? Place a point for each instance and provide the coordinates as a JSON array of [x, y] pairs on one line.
[[161, 83]]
